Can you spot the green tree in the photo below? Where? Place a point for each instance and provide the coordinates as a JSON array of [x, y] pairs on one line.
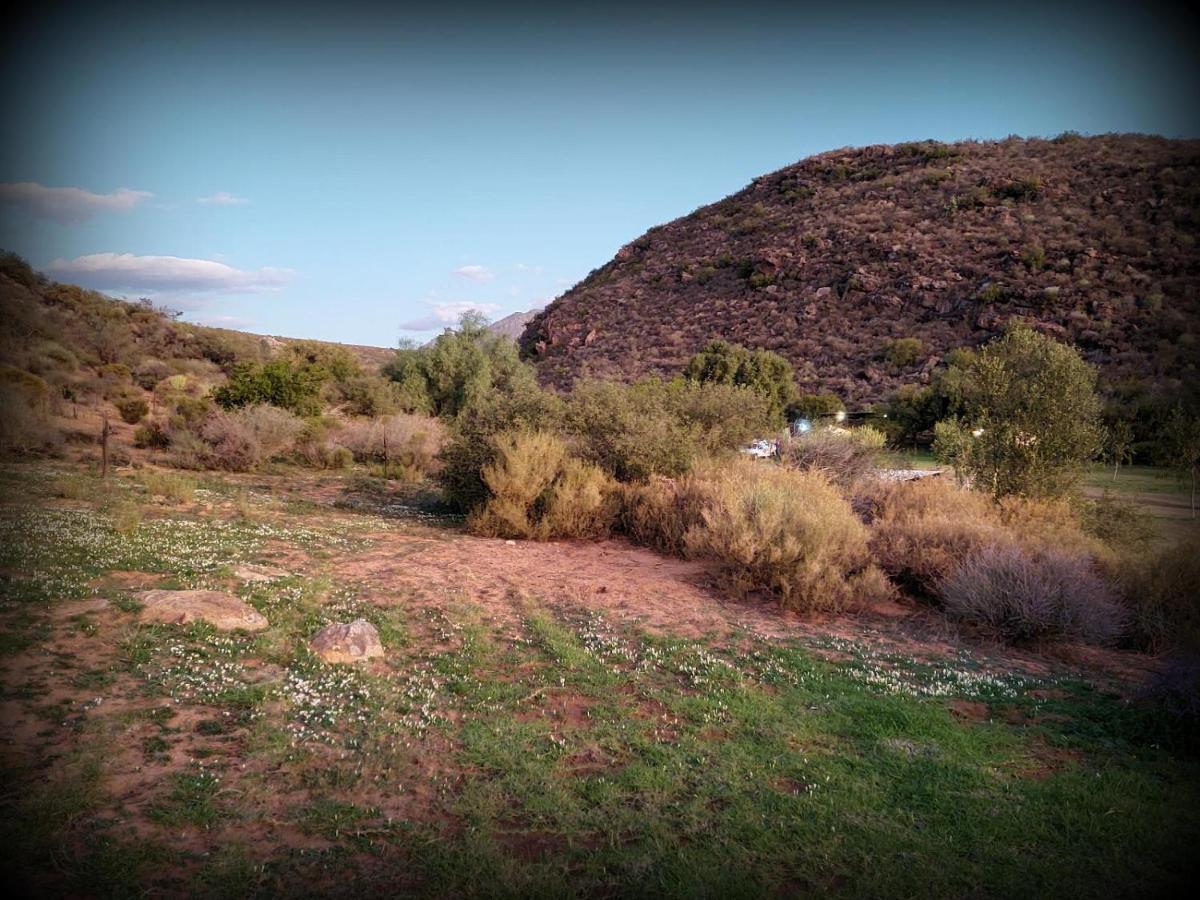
[[335, 362], [763, 371], [1031, 408], [1181, 448], [914, 410], [281, 382], [461, 364], [407, 373], [815, 406], [631, 430], [1118, 442]]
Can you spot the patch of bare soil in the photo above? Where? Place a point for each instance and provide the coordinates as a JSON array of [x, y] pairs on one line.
[[972, 710], [626, 583], [632, 585]]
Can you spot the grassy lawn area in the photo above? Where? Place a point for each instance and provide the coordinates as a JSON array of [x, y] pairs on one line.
[[553, 752], [914, 459], [1135, 480]]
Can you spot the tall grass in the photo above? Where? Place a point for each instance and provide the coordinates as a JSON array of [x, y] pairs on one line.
[[171, 486]]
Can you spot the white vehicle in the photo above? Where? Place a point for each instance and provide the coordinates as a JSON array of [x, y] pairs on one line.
[[763, 449]]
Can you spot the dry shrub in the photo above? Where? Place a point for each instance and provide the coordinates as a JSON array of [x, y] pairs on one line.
[[1162, 594], [241, 439], [921, 531], [1039, 524], [126, 517], [339, 458], [132, 409], [177, 488], [537, 491], [844, 456], [187, 451], [872, 585], [582, 502], [520, 476], [312, 444], [659, 512], [1117, 523], [786, 531], [1023, 597], [151, 436], [24, 429], [407, 444]]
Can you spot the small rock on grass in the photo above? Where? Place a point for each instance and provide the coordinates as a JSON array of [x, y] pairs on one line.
[[352, 642], [252, 572], [221, 610]]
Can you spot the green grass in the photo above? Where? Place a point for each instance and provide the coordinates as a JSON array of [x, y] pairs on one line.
[[1135, 480], [914, 459], [192, 801]]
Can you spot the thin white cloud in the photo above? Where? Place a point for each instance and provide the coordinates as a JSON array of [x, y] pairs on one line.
[[153, 275], [67, 205], [222, 198], [445, 314], [475, 273], [224, 321], [537, 270]]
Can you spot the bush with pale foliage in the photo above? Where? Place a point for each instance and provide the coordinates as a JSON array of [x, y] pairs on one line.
[[659, 513], [788, 532], [406, 442], [922, 530], [1022, 596], [243, 438], [844, 456], [537, 490]]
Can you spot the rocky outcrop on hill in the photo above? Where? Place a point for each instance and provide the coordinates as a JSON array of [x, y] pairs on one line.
[[512, 325], [833, 260]]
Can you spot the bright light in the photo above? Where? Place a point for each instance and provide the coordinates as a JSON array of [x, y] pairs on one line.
[[978, 432], [841, 415]]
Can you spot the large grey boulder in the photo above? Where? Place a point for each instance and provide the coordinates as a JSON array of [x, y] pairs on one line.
[[354, 642], [221, 610]]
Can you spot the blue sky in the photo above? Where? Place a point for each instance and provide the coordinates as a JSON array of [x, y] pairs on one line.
[[363, 173]]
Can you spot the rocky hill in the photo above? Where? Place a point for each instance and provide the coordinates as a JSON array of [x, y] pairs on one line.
[[834, 260], [48, 327]]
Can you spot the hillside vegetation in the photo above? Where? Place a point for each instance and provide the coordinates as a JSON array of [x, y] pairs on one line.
[[865, 267]]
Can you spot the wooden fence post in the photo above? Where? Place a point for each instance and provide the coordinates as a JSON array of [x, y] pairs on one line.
[[104, 449]]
